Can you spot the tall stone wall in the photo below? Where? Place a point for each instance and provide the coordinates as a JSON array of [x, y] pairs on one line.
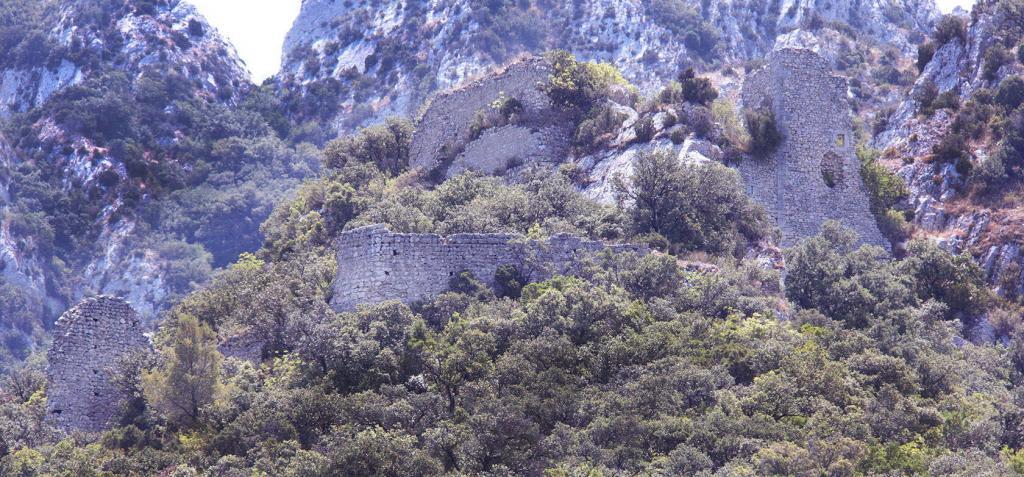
[[88, 341], [375, 265], [443, 134], [814, 175]]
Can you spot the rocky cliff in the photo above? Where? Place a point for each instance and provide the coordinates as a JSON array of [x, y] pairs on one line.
[[951, 141], [375, 58], [110, 112]]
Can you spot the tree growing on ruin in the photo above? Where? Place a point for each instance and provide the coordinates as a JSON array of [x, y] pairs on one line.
[[764, 132], [188, 379]]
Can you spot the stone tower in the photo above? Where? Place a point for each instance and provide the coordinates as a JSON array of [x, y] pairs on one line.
[[88, 341], [814, 175]]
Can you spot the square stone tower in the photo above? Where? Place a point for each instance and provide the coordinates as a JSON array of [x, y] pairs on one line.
[[814, 175]]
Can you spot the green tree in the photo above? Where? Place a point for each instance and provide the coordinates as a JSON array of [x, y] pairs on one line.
[[697, 207], [188, 379]]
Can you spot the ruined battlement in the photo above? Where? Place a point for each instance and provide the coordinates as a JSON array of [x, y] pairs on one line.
[[814, 175], [444, 136], [88, 341], [376, 265]]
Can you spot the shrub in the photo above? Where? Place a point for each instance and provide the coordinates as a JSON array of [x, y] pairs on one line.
[[950, 148], [1020, 53], [508, 281], [385, 145], [972, 119], [602, 123], [645, 129], [195, 28], [948, 100], [885, 190], [926, 98], [733, 129], [925, 52], [696, 207], [990, 174], [696, 90], [578, 86], [685, 21], [995, 57], [763, 130], [701, 121], [1010, 92], [948, 28]]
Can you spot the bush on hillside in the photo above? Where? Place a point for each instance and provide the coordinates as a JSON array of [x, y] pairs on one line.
[[950, 27]]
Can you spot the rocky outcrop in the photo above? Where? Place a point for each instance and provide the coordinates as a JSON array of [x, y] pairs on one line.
[[813, 176], [375, 265], [89, 340]]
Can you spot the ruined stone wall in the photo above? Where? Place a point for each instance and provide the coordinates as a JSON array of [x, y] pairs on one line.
[[88, 341], [443, 131], [375, 265], [814, 175]]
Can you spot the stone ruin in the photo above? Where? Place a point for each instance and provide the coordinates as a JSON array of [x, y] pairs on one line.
[[814, 175], [88, 341], [375, 265], [445, 140]]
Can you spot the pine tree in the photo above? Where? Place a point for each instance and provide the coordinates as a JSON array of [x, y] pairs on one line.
[[189, 377]]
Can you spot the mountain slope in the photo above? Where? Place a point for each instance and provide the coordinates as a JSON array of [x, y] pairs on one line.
[[356, 62], [141, 155]]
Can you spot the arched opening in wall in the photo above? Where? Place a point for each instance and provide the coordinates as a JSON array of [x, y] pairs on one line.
[[832, 170]]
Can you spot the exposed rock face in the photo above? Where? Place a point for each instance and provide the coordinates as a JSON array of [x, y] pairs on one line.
[[89, 339], [814, 175], [170, 40], [178, 49], [444, 135], [941, 212], [21, 265], [384, 57], [375, 265]]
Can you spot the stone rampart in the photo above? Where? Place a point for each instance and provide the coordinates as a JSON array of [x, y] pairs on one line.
[[88, 341], [814, 175], [375, 265], [444, 136]]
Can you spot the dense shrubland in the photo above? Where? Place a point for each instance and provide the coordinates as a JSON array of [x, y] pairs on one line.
[[636, 366]]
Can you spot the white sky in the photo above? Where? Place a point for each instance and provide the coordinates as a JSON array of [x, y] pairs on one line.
[[255, 27], [947, 5]]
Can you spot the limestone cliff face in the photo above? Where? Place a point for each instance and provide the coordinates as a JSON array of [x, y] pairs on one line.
[[81, 41], [377, 58], [161, 39], [938, 191]]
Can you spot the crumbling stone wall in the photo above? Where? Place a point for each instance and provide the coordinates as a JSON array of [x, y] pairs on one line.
[[814, 175], [375, 265], [88, 341], [443, 134]]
